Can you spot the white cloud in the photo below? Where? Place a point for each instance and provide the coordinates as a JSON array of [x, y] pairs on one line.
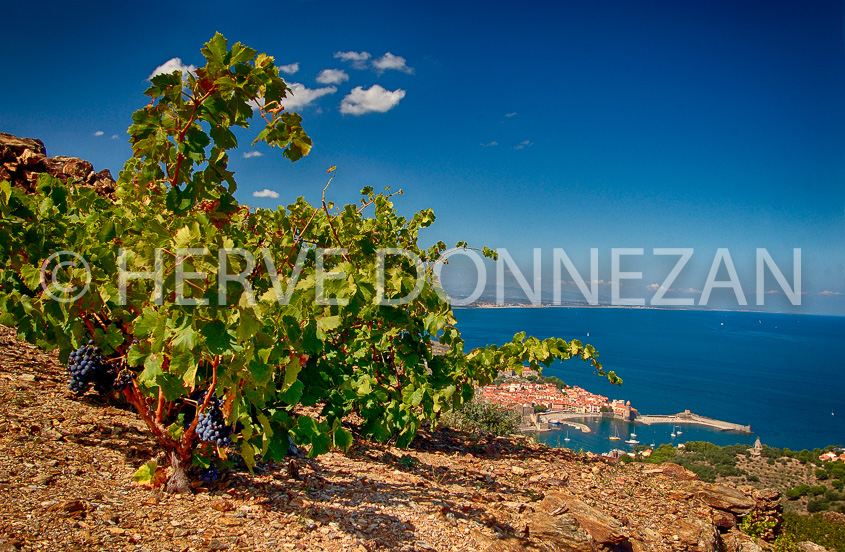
[[266, 192], [390, 62], [99, 133], [374, 99], [302, 96], [653, 287], [114, 136], [290, 68], [358, 59], [171, 65], [332, 76], [524, 144], [511, 114], [829, 292], [490, 144], [251, 154]]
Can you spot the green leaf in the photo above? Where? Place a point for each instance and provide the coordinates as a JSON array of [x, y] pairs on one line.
[[248, 454], [293, 394], [6, 189], [291, 372], [145, 474], [185, 339], [261, 373], [215, 50], [171, 386], [328, 323], [217, 339], [175, 430], [342, 438], [31, 276], [150, 373], [107, 232], [248, 325]]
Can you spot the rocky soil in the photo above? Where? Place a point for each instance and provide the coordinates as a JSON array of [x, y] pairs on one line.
[[65, 484]]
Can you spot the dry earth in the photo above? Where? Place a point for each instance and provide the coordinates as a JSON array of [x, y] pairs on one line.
[[65, 484]]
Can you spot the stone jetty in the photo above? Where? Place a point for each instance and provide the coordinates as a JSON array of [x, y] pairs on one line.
[[688, 417]]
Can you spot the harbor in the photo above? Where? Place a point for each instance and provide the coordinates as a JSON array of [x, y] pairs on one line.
[[688, 417], [608, 433], [545, 421]]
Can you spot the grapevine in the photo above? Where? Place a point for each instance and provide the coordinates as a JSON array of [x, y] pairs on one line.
[[217, 359]]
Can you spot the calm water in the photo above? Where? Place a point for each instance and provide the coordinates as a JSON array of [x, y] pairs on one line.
[[781, 373]]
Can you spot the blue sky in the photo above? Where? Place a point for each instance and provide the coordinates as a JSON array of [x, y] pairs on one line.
[[574, 125]]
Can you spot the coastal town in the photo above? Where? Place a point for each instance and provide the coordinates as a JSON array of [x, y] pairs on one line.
[[546, 401], [520, 391]]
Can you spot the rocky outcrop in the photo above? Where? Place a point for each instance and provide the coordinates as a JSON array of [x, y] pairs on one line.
[[722, 498], [807, 546], [23, 160], [563, 520]]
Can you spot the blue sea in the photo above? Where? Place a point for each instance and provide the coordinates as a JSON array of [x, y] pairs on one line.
[[781, 373]]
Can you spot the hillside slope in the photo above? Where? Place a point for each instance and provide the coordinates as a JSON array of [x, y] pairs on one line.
[[66, 466]]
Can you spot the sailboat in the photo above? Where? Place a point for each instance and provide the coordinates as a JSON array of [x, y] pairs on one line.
[[632, 440], [679, 431], [615, 436], [567, 439], [634, 435], [673, 434]]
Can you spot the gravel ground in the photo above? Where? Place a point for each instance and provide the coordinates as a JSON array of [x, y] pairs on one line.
[[66, 468]]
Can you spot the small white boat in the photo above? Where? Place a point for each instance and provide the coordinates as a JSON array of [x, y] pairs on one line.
[[673, 434], [632, 440], [567, 439]]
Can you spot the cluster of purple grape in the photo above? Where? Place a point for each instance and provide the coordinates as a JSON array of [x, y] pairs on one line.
[[124, 379], [210, 474], [87, 365], [211, 426]]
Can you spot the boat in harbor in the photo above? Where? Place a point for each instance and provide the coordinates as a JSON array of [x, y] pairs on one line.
[[673, 434], [567, 439], [632, 440], [615, 436]]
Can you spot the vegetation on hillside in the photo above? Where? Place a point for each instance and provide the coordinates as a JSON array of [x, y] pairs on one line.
[[481, 418]]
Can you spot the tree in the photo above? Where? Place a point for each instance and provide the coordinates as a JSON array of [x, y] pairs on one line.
[[220, 324]]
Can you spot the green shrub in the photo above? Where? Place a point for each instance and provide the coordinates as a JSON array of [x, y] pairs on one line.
[[479, 418], [832, 495], [821, 474], [817, 505], [817, 529], [797, 492], [661, 454], [816, 490]]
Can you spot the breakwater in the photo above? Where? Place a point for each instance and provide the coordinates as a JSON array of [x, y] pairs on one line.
[[690, 418]]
